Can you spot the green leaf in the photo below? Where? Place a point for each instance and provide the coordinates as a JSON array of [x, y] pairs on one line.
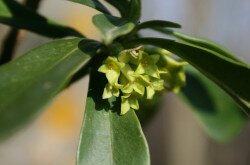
[[32, 80], [158, 24], [122, 6], [106, 137], [112, 27], [95, 4], [14, 14], [221, 119], [232, 76], [135, 11], [200, 42]]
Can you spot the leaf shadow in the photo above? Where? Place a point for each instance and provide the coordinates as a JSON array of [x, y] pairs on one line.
[[96, 87], [198, 94]]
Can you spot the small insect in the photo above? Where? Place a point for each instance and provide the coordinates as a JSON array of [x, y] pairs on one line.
[[135, 52]]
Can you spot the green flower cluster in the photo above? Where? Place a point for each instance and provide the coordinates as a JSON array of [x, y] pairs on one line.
[[136, 74]]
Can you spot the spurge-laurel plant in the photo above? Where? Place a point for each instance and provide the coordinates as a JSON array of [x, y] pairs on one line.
[[128, 73]]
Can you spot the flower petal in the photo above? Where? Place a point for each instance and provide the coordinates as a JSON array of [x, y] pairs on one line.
[[107, 92], [150, 92], [125, 107], [140, 89], [128, 72], [140, 69], [158, 85], [128, 89], [112, 76], [134, 103], [143, 80], [124, 57], [152, 70], [103, 69], [155, 58]]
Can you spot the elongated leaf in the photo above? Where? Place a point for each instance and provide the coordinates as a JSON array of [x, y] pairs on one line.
[[232, 76], [158, 23], [31, 81], [112, 27], [217, 112], [135, 11], [106, 137], [95, 4], [14, 14], [200, 42], [122, 6]]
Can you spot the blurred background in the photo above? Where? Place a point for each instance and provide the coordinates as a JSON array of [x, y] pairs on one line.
[[174, 135]]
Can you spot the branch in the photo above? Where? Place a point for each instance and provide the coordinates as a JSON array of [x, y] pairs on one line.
[[34, 4]]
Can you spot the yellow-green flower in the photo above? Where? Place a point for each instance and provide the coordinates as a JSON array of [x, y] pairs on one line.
[[134, 87], [155, 85], [135, 72], [174, 74], [112, 68], [111, 90], [128, 72], [137, 86], [128, 102], [148, 65]]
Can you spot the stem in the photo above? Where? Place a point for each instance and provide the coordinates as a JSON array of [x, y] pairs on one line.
[[10, 42], [9, 46], [33, 4]]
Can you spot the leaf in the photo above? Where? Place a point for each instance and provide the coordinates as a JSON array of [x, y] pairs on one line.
[[112, 27], [122, 6], [221, 119], [106, 137], [32, 80], [230, 75], [200, 42], [135, 11], [158, 23], [14, 14], [95, 4]]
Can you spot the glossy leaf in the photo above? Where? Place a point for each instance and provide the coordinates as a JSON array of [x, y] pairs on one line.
[[106, 137], [95, 4], [204, 43], [158, 23], [219, 115], [122, 6], [32, 80], [232, 76], [112, 27], [14, 14], [135, 11]]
